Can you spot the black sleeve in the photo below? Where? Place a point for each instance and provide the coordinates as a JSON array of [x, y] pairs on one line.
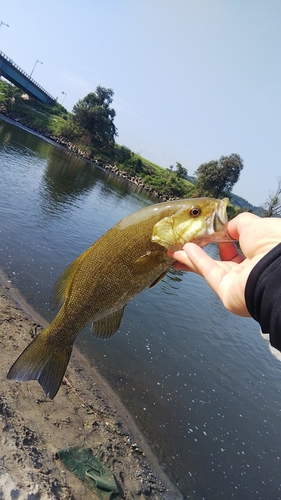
[[263, 295]]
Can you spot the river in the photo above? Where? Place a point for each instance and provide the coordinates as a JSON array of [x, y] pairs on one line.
[[200, 382]]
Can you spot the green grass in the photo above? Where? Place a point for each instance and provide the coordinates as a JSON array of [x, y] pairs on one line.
[[57, 121]]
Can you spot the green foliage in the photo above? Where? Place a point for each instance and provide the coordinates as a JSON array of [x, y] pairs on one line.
[[218, 177], [133, 165], [128, 161], [11, 95], [4, 88], [70, 130], [181, 172], [94, 115], [122, 154], [233, 210], [32, 113], [91, 129], [168, 183]]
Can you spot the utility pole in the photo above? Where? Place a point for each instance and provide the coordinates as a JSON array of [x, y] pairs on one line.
[[65, 94], [37, 61], [2, 22]]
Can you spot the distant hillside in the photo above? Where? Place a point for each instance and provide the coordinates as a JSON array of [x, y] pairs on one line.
[[241, 202], [55, 122], [191, 179], [235, 199]]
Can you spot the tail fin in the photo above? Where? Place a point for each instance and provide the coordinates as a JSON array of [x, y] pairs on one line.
[[41, 361]]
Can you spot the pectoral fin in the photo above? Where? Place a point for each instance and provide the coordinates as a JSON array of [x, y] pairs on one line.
[[149, 260], [106, 326]]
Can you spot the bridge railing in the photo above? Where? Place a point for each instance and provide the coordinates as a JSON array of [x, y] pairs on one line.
[[10, 61]]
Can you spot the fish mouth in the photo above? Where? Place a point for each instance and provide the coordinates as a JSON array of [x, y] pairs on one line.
[[216, 230], [220, 216], [219, 222]]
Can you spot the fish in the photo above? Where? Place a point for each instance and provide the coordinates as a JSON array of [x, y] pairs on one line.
[[96, 287]]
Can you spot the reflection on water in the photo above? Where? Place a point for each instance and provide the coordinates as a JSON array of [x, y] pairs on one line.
[[67, 178], [200, 382], [171, 281], [64, 181]]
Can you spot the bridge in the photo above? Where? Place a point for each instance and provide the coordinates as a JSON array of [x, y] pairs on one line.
[[21, 79]]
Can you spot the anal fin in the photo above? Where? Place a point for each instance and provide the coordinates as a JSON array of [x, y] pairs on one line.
[[105, 327]]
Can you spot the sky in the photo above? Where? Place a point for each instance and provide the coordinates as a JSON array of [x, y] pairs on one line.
[[193, 79]]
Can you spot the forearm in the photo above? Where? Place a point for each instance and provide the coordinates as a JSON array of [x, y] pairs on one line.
[[263, 295]]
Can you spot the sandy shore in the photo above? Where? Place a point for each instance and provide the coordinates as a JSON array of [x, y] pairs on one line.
[[86, 412]]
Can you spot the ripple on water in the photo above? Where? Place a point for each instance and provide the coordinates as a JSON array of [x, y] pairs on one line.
[[200, 382]]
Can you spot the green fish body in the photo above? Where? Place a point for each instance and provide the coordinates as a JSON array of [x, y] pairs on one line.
[[96, 287]]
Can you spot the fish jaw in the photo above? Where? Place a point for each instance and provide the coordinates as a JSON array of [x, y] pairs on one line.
[[220, 216], [216, 226], [208, 226]]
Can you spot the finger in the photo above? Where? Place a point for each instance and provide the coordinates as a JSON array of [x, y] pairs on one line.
[[229, 252], [235, 226], [183, 263], [181, 267], [213, 271], [198, 259]]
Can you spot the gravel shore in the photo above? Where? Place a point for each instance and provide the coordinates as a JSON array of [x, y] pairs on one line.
[[85, 412]]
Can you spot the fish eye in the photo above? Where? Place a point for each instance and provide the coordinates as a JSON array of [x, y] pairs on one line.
[[194, 212]]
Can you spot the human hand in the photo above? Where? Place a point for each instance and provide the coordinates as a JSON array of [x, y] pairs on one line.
[[228, 277]]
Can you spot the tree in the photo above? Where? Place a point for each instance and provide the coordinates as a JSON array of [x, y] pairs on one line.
[[181, 172], [94, 115], [12, 95], [218, 177], [273, 205], [123, 154], [133, 164]]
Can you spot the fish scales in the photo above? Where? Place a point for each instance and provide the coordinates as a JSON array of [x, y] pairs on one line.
[[98, 284]]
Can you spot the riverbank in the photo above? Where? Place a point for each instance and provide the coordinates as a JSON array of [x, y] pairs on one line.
[[85, 413], [72, 148]]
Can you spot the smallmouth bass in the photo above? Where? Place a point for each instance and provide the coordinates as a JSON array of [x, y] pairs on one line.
[[96, 287]]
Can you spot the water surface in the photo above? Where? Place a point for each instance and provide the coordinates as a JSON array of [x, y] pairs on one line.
[[200, 382]]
